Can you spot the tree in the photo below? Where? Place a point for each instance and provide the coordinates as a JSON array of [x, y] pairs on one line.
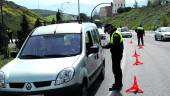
[[53, 21], [4, 41], [165, 22], [84, 17], [37, 23], [122, 10], [25, 30], [58, 17], [159, 2], [96, 15], [136, 4], [149, 3]]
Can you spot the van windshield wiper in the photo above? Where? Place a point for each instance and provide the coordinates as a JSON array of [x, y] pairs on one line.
[[57, 55], [31, 57]]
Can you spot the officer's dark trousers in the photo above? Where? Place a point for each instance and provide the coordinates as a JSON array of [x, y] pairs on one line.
[[140, 37], [116, 68]]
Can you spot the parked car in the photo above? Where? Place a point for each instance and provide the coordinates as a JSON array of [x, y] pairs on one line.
[[62, 59], [162, 33], [125, 32]]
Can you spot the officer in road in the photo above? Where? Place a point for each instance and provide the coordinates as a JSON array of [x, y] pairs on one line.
[[140, 33], [116, 49], [9, 32]]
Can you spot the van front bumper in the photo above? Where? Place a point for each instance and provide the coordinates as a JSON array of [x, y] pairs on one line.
[[65, 91]]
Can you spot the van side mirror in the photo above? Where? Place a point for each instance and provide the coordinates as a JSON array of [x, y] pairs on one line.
[[13, 54], [93, 49]]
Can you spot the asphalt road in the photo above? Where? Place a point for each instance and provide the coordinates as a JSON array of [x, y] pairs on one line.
[[153, 75]]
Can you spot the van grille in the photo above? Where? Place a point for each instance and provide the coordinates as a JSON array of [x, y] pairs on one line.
[[42, 84], [16, 85]]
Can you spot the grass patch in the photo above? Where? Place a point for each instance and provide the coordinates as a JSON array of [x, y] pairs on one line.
[[4, 61]]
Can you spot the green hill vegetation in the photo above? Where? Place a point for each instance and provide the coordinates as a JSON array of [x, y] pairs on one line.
[[144, 15], [64, 17], [13, 16], [49, 15], [44, 12]]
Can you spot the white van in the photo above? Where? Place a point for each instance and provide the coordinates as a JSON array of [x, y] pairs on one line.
[[61, 59]]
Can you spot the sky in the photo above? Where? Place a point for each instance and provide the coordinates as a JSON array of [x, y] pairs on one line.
[[69, 6]]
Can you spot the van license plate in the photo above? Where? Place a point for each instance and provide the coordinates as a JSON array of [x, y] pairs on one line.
[[36, 95]]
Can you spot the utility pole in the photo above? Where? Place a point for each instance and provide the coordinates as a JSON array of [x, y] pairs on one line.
[[2, 17], [4, 41], [1, 25], [38, 5], [78, 10]]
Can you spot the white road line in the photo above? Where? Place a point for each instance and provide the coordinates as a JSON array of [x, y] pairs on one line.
[[122, 66]]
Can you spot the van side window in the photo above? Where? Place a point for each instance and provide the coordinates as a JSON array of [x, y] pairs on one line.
[[98, 35], [95, 36], [89, 41]]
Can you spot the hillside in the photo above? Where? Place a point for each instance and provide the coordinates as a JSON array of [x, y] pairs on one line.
[[44, 12], [13, 15], [49, 15], [146, 15]]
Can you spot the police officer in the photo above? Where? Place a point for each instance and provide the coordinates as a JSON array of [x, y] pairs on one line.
[[140, 33], [9, 32], [116, 49]]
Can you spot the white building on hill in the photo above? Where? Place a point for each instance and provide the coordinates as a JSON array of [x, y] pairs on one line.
[[117, 4]]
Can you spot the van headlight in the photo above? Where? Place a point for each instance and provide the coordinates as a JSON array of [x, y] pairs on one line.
[[2, 79], [64, 76]]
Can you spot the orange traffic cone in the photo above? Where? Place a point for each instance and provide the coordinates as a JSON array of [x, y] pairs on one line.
[[135, 54], [131, 42], [140, 46], [137, 62], [135, 88]]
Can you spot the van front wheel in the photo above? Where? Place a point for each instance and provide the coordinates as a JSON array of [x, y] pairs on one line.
[[102, 73], [83, 91]]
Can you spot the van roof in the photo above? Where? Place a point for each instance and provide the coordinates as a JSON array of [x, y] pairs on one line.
[[61, 28]]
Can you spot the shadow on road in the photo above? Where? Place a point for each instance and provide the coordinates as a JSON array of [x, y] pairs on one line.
[[116, 93], [165, 41], [94, 87]]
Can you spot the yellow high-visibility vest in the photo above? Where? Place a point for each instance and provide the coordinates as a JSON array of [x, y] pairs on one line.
[[140, 28], [112, 37]]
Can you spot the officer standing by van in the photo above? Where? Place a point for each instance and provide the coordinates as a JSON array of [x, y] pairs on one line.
[[140, 33], [116, 49]]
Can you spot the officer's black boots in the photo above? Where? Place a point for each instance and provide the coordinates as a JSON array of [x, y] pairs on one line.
[[116, 87]]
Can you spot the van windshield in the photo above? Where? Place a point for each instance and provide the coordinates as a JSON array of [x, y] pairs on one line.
[[52, 46]]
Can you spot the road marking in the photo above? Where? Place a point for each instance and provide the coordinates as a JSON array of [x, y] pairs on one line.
[[122, 66]]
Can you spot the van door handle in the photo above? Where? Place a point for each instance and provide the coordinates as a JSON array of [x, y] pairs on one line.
[[97, 56]]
